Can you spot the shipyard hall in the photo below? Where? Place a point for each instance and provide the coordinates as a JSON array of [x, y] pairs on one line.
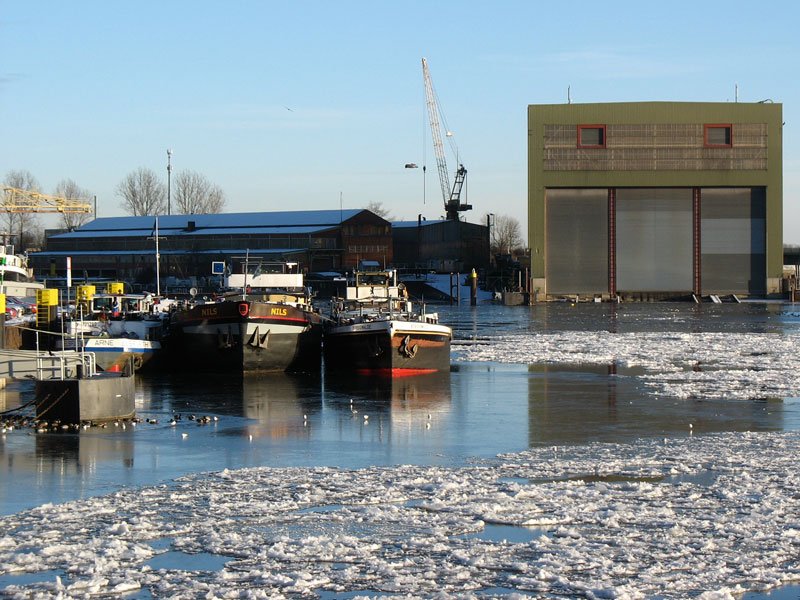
[[655, 200]]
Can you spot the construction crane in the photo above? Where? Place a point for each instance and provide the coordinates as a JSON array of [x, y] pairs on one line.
[[452, 197], [27, 201]]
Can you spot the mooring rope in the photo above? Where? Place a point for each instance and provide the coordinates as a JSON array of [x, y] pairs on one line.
[[56, 401], [21, 407]]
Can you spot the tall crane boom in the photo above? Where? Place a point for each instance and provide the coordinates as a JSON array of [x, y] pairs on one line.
[[451, 196], [27, 201]]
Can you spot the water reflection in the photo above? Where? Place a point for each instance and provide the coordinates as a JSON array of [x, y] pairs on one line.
[[401, 396], [280, 405], [573, 404], [285, 406], [54, 467]]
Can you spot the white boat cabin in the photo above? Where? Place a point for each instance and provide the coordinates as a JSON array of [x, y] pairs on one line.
[[374, 285], [130, 305], [259, 275]]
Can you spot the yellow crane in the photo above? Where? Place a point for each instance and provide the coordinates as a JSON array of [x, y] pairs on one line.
[[27, 201]]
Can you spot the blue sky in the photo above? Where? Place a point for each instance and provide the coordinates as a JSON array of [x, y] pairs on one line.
[[294, 105]]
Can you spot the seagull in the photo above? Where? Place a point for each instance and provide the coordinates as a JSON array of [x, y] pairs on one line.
[[184, 435], [289, 109]]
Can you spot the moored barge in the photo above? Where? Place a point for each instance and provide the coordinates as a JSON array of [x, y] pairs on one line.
[[375, 328], [264, 322]]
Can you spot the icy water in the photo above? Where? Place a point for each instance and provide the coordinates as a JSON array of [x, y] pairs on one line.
[[459, 483]]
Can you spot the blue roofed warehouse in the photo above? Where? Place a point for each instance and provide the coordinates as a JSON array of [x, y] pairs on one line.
[[125, 247]]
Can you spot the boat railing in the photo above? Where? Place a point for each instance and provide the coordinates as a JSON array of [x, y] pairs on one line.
[[381, 307], [44, 363]]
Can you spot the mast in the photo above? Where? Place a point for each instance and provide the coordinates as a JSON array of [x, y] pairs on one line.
[[158, 263]]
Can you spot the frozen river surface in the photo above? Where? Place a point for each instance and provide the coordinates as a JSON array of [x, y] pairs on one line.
[[638, 451]]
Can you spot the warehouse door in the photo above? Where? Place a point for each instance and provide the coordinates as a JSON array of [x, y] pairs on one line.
[[733, 240], [576, 232], [654, 240]]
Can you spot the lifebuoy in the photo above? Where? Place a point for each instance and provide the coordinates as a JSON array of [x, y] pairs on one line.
[[244, 309]]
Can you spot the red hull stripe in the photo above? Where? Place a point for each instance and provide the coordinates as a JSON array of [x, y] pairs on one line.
[[253, 317], [396, 372], [236, 321]]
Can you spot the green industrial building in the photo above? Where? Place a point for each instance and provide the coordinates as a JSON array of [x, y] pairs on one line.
[[655, 200]]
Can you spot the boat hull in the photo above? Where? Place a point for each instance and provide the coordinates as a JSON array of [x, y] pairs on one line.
[[391, 347], [247, 337], [113, 354], [115, 342]]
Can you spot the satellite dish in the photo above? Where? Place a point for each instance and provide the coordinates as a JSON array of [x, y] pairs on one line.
[[193, 292]]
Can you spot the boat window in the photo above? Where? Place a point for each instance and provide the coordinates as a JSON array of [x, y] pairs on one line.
[[102, 303], [130, 305], [372, 279]]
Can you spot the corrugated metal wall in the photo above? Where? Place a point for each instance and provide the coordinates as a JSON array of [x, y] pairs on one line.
[[576, 241], [654, 240], [655, 147], [654, 245], [733, 240]]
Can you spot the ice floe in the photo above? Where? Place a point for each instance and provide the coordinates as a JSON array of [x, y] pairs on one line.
[[704, 516], [683, 365]]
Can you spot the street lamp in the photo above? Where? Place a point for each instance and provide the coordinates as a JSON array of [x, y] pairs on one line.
[[169, 181]]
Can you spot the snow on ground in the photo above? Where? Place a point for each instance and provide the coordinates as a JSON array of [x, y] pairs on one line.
[[706, 516], [683, 365]]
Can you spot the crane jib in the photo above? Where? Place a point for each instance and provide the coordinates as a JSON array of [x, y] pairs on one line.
[[451, 196]]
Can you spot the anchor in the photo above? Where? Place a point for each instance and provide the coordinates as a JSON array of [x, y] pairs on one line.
[[257, 340], [406, 349]]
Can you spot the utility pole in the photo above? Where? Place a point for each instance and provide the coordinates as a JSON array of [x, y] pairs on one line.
[[169, 181]]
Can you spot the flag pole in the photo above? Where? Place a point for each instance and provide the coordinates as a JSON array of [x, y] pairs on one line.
[[158, 264]]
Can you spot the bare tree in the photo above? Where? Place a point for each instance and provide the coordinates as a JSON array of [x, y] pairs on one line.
[[196, 195], [142, 193], [505, 234], [379, 209], [70, 190], [24, 226]]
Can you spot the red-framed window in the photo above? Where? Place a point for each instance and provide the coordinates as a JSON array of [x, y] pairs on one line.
[[591, 136], [718, 135]]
